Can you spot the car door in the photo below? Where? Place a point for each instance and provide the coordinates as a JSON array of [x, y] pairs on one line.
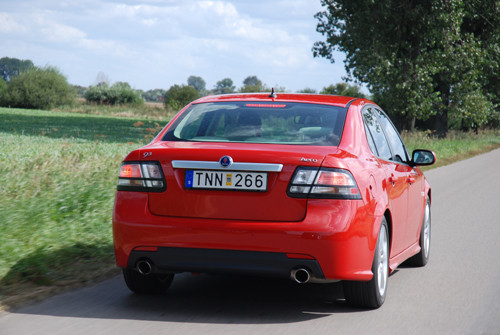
[[393, 159], [411, 180]]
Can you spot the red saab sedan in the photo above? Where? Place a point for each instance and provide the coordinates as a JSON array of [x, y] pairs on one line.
[[315, 188]]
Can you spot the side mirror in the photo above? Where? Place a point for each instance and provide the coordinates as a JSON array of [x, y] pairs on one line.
[[422, 157]]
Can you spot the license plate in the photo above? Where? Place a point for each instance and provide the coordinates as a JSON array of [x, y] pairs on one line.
[[226, 180]]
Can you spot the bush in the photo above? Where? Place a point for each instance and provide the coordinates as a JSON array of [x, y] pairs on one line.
[[179, 96], [38, 88], [119, 93], [155, 95], [97, 94]]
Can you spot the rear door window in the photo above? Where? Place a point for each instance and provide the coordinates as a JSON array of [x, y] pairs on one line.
[[399, 153], [382, 149]]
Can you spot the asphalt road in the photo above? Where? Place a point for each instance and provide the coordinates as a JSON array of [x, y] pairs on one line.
[[458, 292]]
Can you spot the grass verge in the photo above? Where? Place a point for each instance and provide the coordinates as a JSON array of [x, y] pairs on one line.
[[456, 146], [58, 173]]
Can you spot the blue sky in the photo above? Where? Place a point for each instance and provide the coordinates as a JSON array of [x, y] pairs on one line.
[[156, 44]]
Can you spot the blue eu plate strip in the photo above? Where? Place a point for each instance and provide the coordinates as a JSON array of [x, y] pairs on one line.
[[189, 179]]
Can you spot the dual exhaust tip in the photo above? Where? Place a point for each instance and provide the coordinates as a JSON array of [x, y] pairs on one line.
[[300, 275], [145, 267]]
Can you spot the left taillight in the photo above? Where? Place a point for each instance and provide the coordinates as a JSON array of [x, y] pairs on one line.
[[141, 177]]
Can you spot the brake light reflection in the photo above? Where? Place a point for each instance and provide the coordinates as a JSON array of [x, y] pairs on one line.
[[266, 105]]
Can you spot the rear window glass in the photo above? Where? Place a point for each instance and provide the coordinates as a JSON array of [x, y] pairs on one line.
[[257, 122]]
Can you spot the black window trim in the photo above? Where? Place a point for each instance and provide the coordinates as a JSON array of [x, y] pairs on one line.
[[369, 133]]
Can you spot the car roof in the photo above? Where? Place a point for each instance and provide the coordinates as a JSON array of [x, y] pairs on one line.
[[335, 100]]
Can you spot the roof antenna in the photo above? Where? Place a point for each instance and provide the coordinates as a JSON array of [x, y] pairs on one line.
[[273, 95]]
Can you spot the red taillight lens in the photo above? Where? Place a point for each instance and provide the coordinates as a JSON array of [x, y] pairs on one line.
[[141, 177], [323, 183], [334, 178], [130, 171]]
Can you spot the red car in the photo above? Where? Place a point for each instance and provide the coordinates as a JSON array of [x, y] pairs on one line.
[[315, 188]]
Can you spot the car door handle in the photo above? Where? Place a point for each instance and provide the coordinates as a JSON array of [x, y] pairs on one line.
[[393, 179], [410, 180]]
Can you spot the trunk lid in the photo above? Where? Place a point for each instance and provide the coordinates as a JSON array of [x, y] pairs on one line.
[[182, 199]]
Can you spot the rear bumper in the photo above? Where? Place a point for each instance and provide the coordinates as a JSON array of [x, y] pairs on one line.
[[335, 241], [220, 261]]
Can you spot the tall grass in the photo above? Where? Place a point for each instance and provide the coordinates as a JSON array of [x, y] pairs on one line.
[[58, 175], [56, 194]]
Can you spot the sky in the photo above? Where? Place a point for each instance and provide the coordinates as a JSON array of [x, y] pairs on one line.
[[158, 43]]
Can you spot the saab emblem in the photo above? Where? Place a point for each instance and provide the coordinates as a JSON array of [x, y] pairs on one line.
[[226, 161]]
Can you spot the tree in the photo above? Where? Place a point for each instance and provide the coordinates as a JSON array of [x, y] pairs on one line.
[[197, 82], [482, 22], [224, 86], [253, 84], [343, 89], [39, 88], [179, 96], [11, 67], [3, 90], [413, 55]]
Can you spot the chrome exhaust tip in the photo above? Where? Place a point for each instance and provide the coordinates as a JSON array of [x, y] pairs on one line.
[[301, 275], [144, 267]]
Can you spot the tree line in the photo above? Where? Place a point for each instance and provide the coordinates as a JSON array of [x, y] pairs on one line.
[[180, 95], [24, 85]]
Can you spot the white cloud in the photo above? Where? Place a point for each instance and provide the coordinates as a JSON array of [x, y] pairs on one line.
[[56, 32], [157, 43], [8, 24]]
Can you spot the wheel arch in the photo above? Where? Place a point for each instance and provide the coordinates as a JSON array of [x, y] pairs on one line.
[[375, 231], [388, 219]]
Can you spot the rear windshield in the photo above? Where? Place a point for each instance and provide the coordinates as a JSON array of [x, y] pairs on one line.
[[257, 122]]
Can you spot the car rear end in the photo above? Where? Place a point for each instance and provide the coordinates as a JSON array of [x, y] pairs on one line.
[[240, 185]]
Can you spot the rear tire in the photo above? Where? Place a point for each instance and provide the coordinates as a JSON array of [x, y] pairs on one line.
[[153, 283], [371, 294], [422, 257]]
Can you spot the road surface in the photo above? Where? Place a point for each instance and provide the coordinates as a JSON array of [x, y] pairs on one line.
[[458, 292]]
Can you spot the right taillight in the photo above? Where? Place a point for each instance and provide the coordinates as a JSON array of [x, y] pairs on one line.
[[326, 183], [141, 177]]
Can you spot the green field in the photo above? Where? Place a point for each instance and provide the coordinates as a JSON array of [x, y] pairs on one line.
[[58, 174]]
